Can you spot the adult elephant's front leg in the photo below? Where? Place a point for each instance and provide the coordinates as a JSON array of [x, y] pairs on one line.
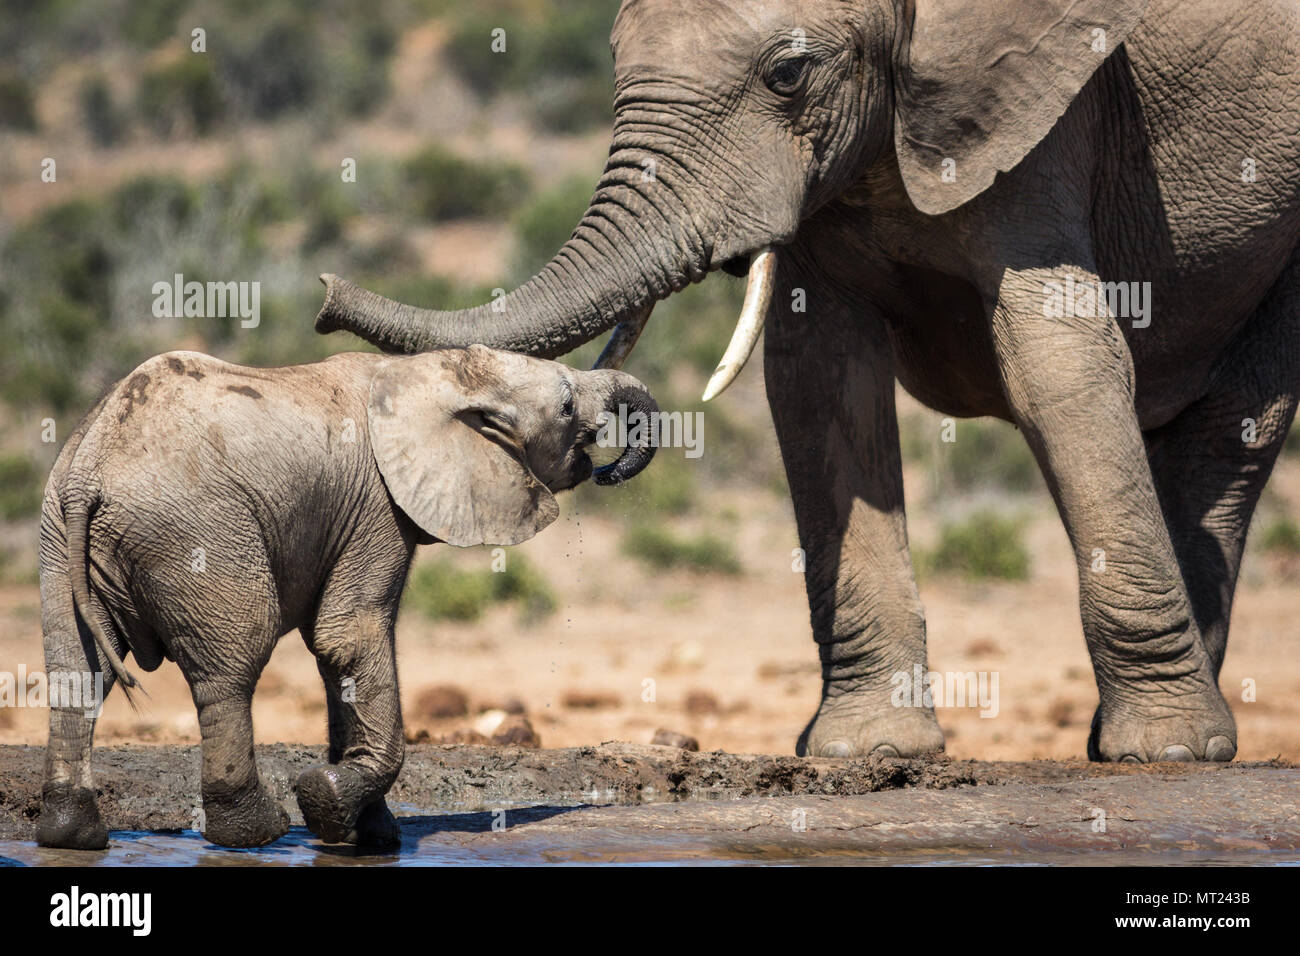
[[1070, 385], [830, 384]]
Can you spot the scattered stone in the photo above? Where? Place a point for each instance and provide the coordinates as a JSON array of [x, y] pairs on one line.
[[440, 702], [775, 670], [516, 731], [488, 722], [701, 702], [459, 738], [590, 700], [510, 704], [1060, 713], [686, 655], [983, 647], [671, 738]]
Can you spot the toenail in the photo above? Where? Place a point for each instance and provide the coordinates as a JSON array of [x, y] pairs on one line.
[[886, 750], [1177, 753], [1220, 748], [837, 748], [1129, 758]]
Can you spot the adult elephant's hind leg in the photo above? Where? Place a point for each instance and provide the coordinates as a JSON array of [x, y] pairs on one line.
[[830, 384], [1212, 461]]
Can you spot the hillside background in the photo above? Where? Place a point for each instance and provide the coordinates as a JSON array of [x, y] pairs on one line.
[[471, 168]]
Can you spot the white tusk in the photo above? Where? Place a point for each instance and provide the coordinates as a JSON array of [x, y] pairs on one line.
[[758, 295], [620, 344]]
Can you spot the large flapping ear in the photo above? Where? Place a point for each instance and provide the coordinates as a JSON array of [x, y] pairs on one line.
[[447, 453], [983, 81]]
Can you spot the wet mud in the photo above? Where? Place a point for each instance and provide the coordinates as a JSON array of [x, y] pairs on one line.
[[634, 803]]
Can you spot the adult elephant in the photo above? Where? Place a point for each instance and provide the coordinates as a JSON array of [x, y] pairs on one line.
[[943, 179]]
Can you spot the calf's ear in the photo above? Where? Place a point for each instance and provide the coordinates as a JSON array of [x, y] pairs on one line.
[[447, 452], [981, 82]]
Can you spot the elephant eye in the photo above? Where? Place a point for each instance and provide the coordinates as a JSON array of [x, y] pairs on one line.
[[567, 408], [784, 77]]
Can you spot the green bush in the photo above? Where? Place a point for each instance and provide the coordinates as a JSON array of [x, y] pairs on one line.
[[149, 22], [441, 185], [523, 583], [1281, 537], [21, 486], [1292, 444], [664, 550], [182, 96], [440, 590], [986, 454], [667, 488], [545, 223], [106, 124], [17, 105], [557, 56], [985, 545]]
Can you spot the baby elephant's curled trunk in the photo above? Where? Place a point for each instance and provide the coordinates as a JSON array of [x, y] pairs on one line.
[[635, 407]]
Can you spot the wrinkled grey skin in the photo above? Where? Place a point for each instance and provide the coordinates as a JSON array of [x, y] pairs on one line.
[[1100, 139], [203, 510]]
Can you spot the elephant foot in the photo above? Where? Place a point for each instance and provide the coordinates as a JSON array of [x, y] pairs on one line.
[[1144, 727], [331, 798], [847, 726], [70, 819], [243, 819], [376, 827]]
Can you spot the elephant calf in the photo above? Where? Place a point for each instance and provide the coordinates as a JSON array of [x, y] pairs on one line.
[[203, 510]]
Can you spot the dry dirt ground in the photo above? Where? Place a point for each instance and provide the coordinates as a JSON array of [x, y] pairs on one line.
[[728, 660]]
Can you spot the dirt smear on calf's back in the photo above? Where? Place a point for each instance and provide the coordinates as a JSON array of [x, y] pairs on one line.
[[135, 393]]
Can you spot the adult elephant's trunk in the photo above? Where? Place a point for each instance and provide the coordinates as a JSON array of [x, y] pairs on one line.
[[631, 405], [636, 244]]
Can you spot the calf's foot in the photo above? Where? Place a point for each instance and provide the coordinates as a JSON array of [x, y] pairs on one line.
[[332, 797], [375, 827], [243, 818], [70, 819]]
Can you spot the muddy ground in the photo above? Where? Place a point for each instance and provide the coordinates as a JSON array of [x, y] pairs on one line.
[[623, 802]]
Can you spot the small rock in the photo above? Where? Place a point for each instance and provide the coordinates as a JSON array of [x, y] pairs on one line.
[[516, 731], [671, 738], [488, 722], [460, 738], [700, 702], [775, 670], [983, 647], [440, 702], [1060, 712], [589, 700], [510, 704], [687, 655]]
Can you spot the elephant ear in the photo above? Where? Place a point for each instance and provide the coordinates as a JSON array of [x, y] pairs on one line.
[[985, 80], [446, 452]]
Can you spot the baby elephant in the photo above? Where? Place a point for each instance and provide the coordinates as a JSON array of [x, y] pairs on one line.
[[203, 510]]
